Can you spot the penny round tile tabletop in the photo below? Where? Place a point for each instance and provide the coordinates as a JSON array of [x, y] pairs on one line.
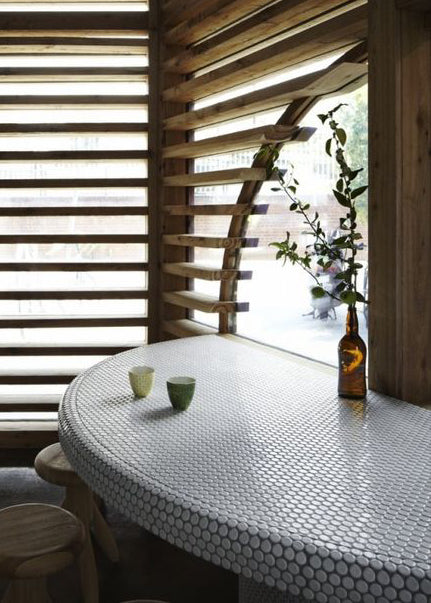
[[268, 473]]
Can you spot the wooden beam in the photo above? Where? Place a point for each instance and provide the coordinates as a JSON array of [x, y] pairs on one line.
[[193, 240], [26, 128], [416, 5], [115, 293], [70, 155], [196, 20], [203, 303], [64, 210], [38, 322], [236, 141], [187, 328], [323, 82], [27, 434], [30, 403], [75, 183], [73, 20], [215, 209], [59, 349], [28, 45], [400, 209], [73, 266], [325, 38], [232, 176], [73, 74], [7, 239], [208, 273], [23, 378], [83, 101], [284, 19]]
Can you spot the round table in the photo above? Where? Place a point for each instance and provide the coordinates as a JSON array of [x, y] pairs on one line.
[[269, 474]]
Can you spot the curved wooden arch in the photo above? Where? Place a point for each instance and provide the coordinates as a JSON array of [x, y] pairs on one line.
[[292, 116]]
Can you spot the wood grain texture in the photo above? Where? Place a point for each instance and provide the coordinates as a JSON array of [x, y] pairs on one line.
[[215, 209], [230, 176], [284, 19], [187, 328], [203, 302], [195, 240], [328, 37], [236, 141], [208, 273], [76, 20]]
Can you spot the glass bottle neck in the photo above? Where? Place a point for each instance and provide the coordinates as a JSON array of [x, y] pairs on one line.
[[351, 321]]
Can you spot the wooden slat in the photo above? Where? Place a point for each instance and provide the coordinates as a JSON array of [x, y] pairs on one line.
[[59, 349], [73, 266], [73, 20], [72, 238], [73, 74], [31, 403], [23, 378], [215, 209], [187, 328], [45, 128], [323, 82], [70, 155], [417, 5], [207, 17], [311, 44], [28, 434], [65, 101], [47, 183], [37, 322], [232, 176], [204, 303], [28, 45], [208, 273], [88, 210], [115, 293], [189, 240], [284, 19], [237, 141]]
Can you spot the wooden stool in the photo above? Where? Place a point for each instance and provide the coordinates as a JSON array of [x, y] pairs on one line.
[[36, 540], [52, 465]]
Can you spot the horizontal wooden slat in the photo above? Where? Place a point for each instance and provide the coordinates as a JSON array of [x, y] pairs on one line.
[[322, 82], [28, 45], [73, 74], [31, 402], [23, 378], [193, 240], [282, 19], [72, 238], [313, 43], [37, 322], [237, 141], [203, 303], [70, 155], [47, 183], [84, 101], [232, 176], [72, 266], [60, 349], [28, 434], [73, 20], [115, 293], [207, 17], [208, 273], [88, 210], [418, 5], [187, 328], [215, 209], [24, 128]]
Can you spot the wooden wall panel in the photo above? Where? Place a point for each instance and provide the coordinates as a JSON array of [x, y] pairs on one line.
[[400, 203]]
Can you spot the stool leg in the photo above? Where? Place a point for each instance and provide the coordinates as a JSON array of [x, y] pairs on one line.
[[104, 535], [79, 501], [27, 591]]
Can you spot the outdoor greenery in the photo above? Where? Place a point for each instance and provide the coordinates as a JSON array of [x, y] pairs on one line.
[[335, 256]]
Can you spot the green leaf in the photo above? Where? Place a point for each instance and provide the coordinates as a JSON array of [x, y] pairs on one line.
[[340, 185], [348, 297], [318, 292], [340, 287], [293, 206], [276, 189], [341, 198], [328, 147], [358, 191], [322, 117], [360, 297], [342, 136]]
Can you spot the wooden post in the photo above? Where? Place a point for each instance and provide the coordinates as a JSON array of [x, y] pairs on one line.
[[400, 202]]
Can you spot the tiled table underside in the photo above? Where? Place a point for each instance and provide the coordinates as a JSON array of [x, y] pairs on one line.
[[268, 473]]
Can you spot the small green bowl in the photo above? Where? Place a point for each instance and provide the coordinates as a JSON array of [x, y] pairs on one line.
[[181, 391]]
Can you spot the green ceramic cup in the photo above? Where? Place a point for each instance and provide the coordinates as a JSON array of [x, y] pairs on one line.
[[181, 391]]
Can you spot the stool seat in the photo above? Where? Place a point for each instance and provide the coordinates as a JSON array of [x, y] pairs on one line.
[[37, 540], [52, 465]]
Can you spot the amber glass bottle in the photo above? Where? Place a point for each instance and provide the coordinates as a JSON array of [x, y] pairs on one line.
[[352, 356]]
